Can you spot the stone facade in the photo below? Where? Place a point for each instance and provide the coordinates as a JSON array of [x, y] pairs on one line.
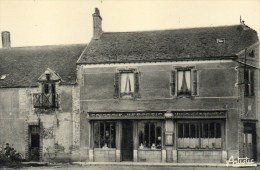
[[57, 142], [217, 90]]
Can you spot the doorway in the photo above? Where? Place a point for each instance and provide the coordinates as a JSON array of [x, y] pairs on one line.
[[249, 140], [127, 140], [34, 143]]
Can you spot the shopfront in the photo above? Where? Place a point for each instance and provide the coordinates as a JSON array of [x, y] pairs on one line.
[[125, 136], [157, 136]]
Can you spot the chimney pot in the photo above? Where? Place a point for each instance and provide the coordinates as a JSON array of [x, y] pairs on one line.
[[6, 41], [97, 24]]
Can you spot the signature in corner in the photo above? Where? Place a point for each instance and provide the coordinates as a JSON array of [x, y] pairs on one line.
[[240, 161]]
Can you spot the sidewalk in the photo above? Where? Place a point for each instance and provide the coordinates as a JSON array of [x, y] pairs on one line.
[[156, 164], [135, 164]]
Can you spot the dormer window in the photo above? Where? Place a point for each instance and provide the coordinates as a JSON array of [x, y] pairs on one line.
[[47, 98], [221, 40]]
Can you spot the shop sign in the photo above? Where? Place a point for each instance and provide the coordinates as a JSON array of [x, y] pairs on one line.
[[200, 114], [135, 115]]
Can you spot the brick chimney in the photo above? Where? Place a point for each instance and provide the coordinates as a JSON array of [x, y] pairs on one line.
[[6, 41], [97, 24]]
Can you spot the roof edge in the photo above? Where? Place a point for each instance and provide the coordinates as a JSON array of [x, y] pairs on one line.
[[165, 60]]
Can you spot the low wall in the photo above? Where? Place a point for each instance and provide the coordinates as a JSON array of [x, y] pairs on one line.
[[149, 156], [104, 155], [199, 156]]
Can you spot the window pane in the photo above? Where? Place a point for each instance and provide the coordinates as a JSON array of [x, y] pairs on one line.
[[158, 138], [113, 136], [104, 134], [212, 130], [193, 131], [188, 78], [146, 135], [46, 88], [184, 82], [186, 130], [180, 130], [218, 130], [199, 135], [205, 130], [152, 134], [96, 135], [127, 82]]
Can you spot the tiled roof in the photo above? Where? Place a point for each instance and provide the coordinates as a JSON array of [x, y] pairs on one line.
[[168, 45], [24, 65]]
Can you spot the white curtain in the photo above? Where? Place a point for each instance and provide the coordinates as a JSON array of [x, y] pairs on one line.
[[127, 82], [180, 79]]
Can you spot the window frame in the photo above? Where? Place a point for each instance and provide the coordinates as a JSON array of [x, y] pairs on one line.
[[131, 94], [109, 145], [199, 133], [117, 83], [194, 82], [157, 139], [183, 70]]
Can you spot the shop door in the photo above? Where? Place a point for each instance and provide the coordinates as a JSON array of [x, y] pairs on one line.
[[34, 143], [249, 140], [127, 141]]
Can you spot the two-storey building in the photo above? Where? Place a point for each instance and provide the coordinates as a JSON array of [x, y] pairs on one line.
[[184, 95]]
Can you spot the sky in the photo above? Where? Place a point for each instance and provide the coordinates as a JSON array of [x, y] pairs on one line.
[[54, 22]]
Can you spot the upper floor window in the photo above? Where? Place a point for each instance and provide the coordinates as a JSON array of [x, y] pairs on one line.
[[126, 84], [249, 82], [184, 82]]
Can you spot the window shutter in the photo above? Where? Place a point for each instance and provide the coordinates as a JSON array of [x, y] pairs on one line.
[[194, 83], [116, 85], [246, 82], [252, 93], [173, 84], [137, 84]]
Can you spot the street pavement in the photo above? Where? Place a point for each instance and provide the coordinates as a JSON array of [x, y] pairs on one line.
[[119, 167]]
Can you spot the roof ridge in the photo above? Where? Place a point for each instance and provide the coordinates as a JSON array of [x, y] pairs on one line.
[[189, 28], [54, 45]]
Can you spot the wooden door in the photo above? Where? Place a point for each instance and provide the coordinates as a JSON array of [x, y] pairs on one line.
[[127, 141], [34, 143]]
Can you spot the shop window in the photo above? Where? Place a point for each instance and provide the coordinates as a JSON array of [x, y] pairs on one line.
[[127, 84], [199, 135], [150, 135], [104, 135], [249, 82]]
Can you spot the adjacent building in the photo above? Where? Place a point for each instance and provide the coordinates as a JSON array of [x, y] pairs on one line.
[[39, 100]]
